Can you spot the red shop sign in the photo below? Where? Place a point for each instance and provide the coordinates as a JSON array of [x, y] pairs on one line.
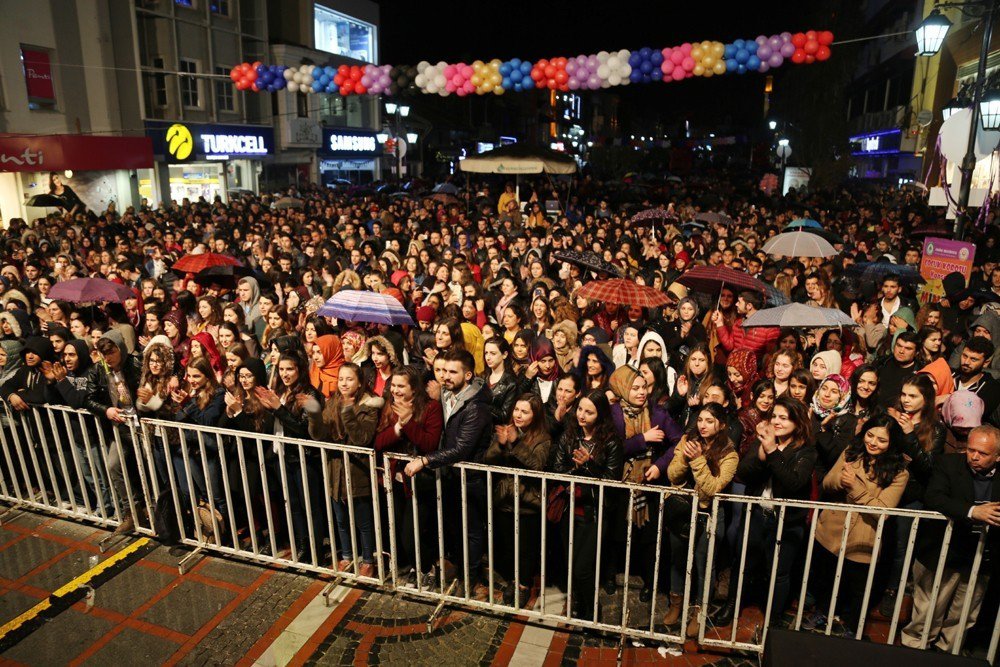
[[38, 75], [58, 152]]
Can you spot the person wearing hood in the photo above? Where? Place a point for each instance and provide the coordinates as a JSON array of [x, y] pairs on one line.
[[541, 374], [986, 325], [156, 379], [248, 291], [175, 326], [565, 338], [652, 345], [684, 332], [10, 359], [468, 432], [15, 324], [28, 386], [379, 364], [203, 345]]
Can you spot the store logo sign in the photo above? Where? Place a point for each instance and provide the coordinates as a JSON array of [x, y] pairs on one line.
[[870, 144], [28, 158], [180, 143], [353, 143], [236, 144]]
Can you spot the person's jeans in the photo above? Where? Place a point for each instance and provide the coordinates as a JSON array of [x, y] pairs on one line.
[[476, 522], [364, 522], [760, 550], [297, 502], [678, 558], [903, 526]]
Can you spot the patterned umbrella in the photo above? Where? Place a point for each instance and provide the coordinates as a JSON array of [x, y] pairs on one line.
[[799, 315], [444, 198], [621, 291], [651, 214], [363, 306], [90, 290], [711, 279], [799, 244], [874, 272], [713, 218], [195, 263], [587, 260]]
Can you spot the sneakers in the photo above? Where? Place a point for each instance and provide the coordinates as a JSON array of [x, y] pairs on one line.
[[815, 621]]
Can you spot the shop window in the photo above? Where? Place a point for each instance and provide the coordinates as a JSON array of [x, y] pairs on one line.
[[301, 105], [224, 100], [345, 36], [220, 7], [159, 83], [190, 93], [36, 63], [185, 3]]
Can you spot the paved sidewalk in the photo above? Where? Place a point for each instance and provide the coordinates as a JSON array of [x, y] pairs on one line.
[[223, 612]]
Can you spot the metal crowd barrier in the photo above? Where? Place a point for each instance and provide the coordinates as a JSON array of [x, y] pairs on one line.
[[258, 491]]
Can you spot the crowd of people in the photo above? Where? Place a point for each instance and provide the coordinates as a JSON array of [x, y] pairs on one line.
[[507, 365]]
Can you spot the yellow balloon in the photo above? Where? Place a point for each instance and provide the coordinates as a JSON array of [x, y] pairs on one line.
[[487, 86], [708, 74], [697, 52], [709, 61], [719, 67], [699, 69], [498, 90], [707, 45], [719, 49], [477, 65], [476, 80], [496, 79], [495, 63]]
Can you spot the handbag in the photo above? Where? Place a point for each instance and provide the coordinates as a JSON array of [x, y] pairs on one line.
[[677, 514], [557, 503]]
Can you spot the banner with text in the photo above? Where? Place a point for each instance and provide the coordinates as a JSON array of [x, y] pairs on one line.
[[941, 257]]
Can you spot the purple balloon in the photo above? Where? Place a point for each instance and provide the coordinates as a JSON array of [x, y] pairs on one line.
[[571, 66], [764, 51], [760, 39], [787, 49], [775, 60], [366, 81], [786, 37], [764, 66], [775, 43], [593, 63], [573, 83], [594, 82]]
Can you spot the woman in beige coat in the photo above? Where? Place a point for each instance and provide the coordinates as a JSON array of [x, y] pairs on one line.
[[871, 472]]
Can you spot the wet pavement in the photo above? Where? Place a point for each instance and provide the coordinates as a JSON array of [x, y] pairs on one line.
[[142, 611]]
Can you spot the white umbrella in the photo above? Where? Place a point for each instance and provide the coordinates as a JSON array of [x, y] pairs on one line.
[[799, 244], [518, 159], [799, 315]]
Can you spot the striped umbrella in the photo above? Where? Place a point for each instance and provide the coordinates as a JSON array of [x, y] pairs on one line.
[[364, 306], [711, 280], [621, 291], [90, 290], [799, 315], [799, 244]]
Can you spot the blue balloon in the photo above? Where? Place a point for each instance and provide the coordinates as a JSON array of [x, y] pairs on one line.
[[730, 51], [645, 52], [317, 86], [753, 62], [280, 83], [742, 69], [528, 82], [634, 59], [737, 45], [656, 58], [635, 76], [516, 76], [731, 65], [645, 67], [505, 69], [515, 63], [507, 83], [742, 56]]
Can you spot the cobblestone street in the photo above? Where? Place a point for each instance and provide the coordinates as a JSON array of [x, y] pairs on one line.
[[222, 612]]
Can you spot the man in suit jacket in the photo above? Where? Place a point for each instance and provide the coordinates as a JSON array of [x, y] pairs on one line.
[[966, 489]]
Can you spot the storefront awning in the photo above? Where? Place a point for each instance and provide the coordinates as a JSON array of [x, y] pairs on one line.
[[58, 152]]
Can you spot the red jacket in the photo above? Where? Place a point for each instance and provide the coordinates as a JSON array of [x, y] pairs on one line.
[[754, 339]]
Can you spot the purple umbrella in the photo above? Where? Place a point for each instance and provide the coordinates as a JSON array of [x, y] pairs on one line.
[[91, 290]]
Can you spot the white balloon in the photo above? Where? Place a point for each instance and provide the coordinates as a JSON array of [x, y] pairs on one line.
[[603, 71], [288, 74], [614, 79], [602, 56], [420, 80], [613, 63], [422, 65], [624, 55], [441, 65], [443, 92], [954, 135], [293, 87], [440, 81], [625, 70], [431, 88], [303, 69], [308, 80]]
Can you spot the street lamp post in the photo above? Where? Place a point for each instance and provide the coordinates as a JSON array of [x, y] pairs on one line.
[[398, 112], [930, 37]]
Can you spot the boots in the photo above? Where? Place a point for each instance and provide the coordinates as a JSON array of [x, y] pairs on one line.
[[674, 612], [692, 627]]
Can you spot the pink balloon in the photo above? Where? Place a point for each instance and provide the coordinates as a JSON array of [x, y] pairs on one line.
[[461, 92], [679, 73], [666, 51], [667, 67], [467, 71], [450, 86], [469, 87], [688, 64], [677, 57], [686, 48]]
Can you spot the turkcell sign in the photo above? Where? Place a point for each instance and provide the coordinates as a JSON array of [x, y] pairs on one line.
[[233, 144]]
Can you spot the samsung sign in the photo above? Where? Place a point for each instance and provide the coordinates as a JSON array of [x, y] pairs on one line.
[[187, 142], [343, 142]]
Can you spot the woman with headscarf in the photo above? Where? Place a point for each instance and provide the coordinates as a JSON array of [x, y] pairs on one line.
[[203, 345], [327, 358], [541, 374], [685, 331], [565, 336], [520, 349], [940, 373], [825, 363], [741, 369], [353, 342], [832, 420], [175, 326], [650, 436]]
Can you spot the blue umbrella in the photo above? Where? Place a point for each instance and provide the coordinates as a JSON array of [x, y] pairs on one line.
[[803, 222], [362, 306], [875, 271]]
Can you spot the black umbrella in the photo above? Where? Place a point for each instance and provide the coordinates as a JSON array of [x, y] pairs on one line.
[[588, 260], [874, 272], [46, 201], [832, 238], [222, 276]]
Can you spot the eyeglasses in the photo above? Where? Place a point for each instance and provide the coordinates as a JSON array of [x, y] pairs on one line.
[[246, 376]]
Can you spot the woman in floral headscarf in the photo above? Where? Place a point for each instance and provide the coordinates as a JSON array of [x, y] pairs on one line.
[[741, 367], [354, 346], [832, 421]]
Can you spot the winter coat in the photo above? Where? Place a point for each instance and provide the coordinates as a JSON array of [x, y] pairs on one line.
[[468, 430], [356, 427], [636, 447], [681, 471], [530, 453], [505, 393], [789, 472]]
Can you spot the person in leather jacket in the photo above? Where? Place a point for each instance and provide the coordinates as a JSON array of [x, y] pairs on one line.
[[502, 381]]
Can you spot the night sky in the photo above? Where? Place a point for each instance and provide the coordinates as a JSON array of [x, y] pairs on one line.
[[432, 30]]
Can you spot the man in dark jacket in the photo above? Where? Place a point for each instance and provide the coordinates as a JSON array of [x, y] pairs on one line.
[[966, 489], [468, 431]]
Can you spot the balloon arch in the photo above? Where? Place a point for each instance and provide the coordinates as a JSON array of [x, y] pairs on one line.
[[605, 69]]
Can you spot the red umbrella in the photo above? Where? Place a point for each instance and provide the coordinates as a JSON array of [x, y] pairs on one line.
[[711, 279], [90, 290], [619, 290], [199, 262]]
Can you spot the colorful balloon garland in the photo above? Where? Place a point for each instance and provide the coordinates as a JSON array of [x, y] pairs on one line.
[[584, 72]]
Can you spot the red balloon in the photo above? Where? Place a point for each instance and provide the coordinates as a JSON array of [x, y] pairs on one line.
[[799, 56], [339, 79], [257, 64], [823, 53], [551, 83], [810, 59], [344, 69], [345, 90], [560, 62], [359, 89], [254, 87], [242, 85], [799, 40], [825, 38], [251, 74], [561, 77], [810, 35], [235, 74], [811, 47], [543, 63], [537, 74], [550, 71], [356, 72]]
